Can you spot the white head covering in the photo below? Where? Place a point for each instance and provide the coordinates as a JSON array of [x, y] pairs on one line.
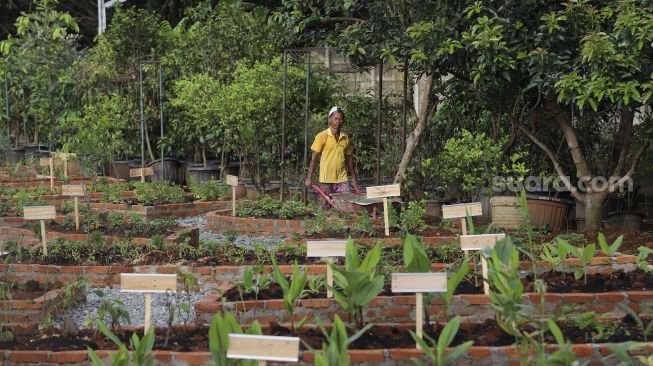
[[336, 109]]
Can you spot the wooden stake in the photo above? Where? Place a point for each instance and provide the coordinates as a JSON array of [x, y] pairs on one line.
[[463, 226], [76, 213], [148, 312], [65, 169], [419, 315], [233, 201], [44, 236], [329, 261], [486, 277], [51, 163], [385, 216]]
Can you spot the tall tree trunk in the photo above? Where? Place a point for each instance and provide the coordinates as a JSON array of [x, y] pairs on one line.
[[594, 210], [412, 140]]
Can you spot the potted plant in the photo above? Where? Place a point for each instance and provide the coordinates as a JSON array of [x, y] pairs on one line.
[[625, 216]]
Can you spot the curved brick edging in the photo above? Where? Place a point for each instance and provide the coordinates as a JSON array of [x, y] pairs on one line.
[[401, 308], [165, 210], [479, 356], [26, 237], [212, 276]]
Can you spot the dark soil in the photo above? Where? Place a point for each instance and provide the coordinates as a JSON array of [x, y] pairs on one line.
[[119, 231], [29, 290], [557, 282], [486, 333]]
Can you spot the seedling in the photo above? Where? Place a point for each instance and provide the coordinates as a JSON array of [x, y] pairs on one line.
[[584, 255]]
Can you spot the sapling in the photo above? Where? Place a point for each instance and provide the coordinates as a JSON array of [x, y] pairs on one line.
[[254, 281], [584, 255], [642, 258], [291, 290], [141, 349], [334, 350], [442, 355], [221, 327], [646, 328]]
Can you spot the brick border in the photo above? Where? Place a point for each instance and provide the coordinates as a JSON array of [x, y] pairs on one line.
[[595, 353], [26, 237]]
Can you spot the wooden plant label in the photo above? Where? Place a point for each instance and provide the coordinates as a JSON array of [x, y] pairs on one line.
[[327, 249], [263, 348], [461, 210], [384, 192], [232, 181], [50, 163], [41, 213], [141, 172], [64, 157], [147, 284], [477, 242], [419, 283], [74, 190]]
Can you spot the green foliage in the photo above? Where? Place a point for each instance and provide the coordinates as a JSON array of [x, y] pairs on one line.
[[158, 193], [221, 327], [610, 249], [642, 258], [208, 190], [334, 350], [291, 290], [254, 281], [415, 258], [358, 282], [140, 354], [364, 224], [268, 206], [584, 255], [442, 356], [412, 218], [645, 328]]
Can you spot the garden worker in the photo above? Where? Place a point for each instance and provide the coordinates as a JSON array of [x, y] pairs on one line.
[[334, 149]]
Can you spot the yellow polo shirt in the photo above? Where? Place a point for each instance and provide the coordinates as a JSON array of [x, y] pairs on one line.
[[332, 162]]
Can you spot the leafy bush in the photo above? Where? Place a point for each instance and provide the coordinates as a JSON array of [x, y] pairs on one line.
[[207, 190], [412, 218], [158, 193], [268, 206]]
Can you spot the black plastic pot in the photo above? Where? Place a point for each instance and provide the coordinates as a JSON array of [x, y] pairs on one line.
[[199, 173], [168, 171]]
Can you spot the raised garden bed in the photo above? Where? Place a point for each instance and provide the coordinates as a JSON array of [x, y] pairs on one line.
[[191, 347]]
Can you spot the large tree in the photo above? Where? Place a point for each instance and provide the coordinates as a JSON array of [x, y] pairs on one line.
[[578, 69]]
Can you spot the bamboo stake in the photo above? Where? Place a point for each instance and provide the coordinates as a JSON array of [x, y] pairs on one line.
[[148, 312], [419, 315], [329, 261], [385, 216], [76, 213], [44, 236]]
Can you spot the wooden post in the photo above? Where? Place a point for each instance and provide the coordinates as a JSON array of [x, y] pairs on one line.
[[44, 238], [147, 284], [326, 249], [41, 213], [463, 227], [74, 190], [384, 192], [148, 312], [419, 283], [329, 279], [477, 242], [76, 213], [232, 181], [51, 163]]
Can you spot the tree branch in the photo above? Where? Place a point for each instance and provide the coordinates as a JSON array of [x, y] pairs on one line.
[[623, 138], [554, 159], [582, 170], [633, 166]]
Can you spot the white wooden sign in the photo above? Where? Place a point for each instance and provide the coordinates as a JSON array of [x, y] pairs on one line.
[[419, 283], [327, 249], [461, 210], [64, 157], [41, 213], [384, 192], [477, 242], [147, 284], [232, 181], [74, 190], [263, 348]]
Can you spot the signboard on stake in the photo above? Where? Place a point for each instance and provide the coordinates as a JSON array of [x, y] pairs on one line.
[[419, 283], [461, 211], [64, 157], [384, 192], [141, 172], [41, 213], [477, 242], [232, 181], [148, 284], [263, 348], [50, 163], [75, 191], [327, 249]]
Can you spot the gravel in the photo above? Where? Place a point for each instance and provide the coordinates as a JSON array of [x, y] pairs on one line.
[[134, 303], [239, 240]]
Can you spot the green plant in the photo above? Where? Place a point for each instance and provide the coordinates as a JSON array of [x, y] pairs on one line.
[[610, 249], [254, 281], [334, 350], [446, 224], [584, 255], [140, 354], [364, 224], [595, 329], [554, 254], [207, 190], [318, 223], [642, 258], [291, 290], [646, 328], [113, 308], [412, 218], [316, 284], [158, 193], [219, 332], [441, 356], [358, 282], [6, 294]]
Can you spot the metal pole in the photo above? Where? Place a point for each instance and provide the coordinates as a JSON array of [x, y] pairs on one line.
[[308, 80], [140, 83], [161, 109], [377, 178], [7, 105], [283, 125], [404, 109], [24, 117], [99, 16]]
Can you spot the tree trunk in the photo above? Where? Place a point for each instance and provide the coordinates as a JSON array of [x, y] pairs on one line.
[[413, 139], [594, 211]]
